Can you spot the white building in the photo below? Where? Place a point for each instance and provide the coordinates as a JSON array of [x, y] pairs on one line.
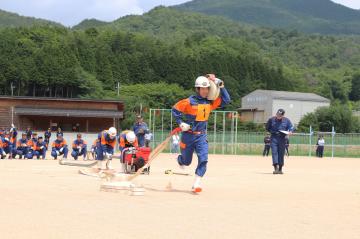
[[260, 105]]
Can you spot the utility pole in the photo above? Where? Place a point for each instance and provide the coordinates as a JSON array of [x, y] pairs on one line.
[[12, 88], [118, 88]]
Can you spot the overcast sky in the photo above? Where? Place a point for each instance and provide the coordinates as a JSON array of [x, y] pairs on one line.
[[71, 12]]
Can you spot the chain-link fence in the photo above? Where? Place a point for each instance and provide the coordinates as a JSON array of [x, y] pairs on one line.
[[225, 137]]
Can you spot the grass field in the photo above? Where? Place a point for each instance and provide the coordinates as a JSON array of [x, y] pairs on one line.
[[345, 145], [315, 198]]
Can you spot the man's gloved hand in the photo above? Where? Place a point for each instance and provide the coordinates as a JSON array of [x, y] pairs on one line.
[[61, 150], [3, 153], [41, 147], [57, 153], [184, 126], [108, 156]]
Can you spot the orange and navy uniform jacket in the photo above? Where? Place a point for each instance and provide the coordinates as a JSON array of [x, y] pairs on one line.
[[82, 143], [13, 136], [38, 145], [196, 110], [106, 142], [95, 144], [32, 143], [5, 141], [123, 143], [58, 144], [22, 141]]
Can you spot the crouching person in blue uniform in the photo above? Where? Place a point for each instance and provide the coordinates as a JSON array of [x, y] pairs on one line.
[[40, 148], [105, 148], [279, 127], [6, 145], [32, 144], [79, 147], [192, 115], [22, 147], [59, 147]]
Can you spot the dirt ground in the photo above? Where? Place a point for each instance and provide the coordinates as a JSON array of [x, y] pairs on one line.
[[315, 198]]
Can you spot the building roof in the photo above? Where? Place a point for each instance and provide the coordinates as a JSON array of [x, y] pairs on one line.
[[79, 113], [288, 95], [59, 99]]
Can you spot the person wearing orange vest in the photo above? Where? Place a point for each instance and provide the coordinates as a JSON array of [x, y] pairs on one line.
[[128, 139], [192, 115], [32, 144], [79, 147], [6, 145], [59, 147], [93, 148], [39, 148], [2, 152], [105, 147], [22, 147], [13, 136]]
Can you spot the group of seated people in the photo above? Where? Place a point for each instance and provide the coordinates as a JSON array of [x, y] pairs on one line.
[[31, 146]]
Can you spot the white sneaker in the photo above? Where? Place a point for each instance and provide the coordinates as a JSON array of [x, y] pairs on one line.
[[102, 164], [99, 164], [197, 185], [182, 167], [109, 165]]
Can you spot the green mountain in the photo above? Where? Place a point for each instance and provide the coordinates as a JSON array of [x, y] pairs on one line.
[[310, 16], [289, 47], [167, 23], [317, 63], [89, 23], [174, 47], [8, 19]]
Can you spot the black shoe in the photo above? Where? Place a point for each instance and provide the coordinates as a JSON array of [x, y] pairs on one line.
[[276, 169], [280, 172]]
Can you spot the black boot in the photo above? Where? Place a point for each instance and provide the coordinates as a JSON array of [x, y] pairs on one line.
[[280, 170], [276, 169]]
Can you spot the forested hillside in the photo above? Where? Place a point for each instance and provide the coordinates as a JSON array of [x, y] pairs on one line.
[[310, 16], [8, 19], [166, 46]]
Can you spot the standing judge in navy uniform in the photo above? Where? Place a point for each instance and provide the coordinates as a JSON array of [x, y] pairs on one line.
[[274, 126]]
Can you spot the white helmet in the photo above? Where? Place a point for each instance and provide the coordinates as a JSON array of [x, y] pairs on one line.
[[202, 82], [112, 132], [130, 137]]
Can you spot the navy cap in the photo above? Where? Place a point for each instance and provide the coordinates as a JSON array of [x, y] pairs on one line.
[[280, 112]]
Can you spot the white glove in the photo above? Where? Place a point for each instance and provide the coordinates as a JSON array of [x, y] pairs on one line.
[[108, 156], [61, 150], [7, 139], [184, 126], [41, 147], [3, 153], [12, 126], [219, 83], [79, 147], [57, 153]]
